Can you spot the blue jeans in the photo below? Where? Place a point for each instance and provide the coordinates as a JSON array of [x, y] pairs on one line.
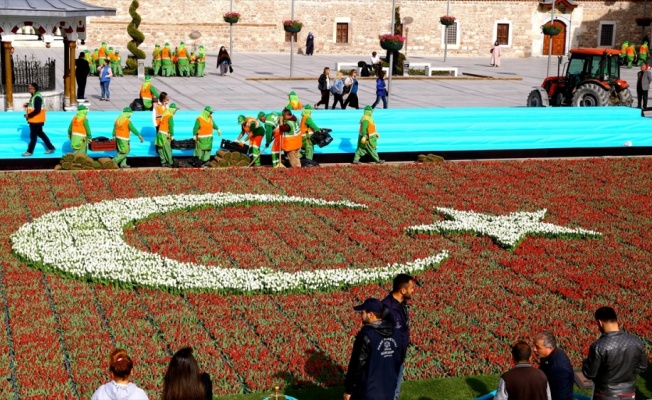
[[105, 89], [378, 98]]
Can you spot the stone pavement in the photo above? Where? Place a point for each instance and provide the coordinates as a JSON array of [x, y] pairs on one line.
[[247, 88]]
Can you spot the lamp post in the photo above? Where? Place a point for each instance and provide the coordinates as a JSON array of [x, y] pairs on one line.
[[291, 42], [643, 28], [448, 9], [391, 54], [552, 21], [231, 33]]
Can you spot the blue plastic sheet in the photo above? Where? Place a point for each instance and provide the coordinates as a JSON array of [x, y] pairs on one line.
[[401, 130]]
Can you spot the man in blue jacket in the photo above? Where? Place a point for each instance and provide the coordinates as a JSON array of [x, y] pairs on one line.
[[396, 302], [376, 358], [555, 364]]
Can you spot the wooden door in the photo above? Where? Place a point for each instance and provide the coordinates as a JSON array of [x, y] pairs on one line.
[[558, 41]]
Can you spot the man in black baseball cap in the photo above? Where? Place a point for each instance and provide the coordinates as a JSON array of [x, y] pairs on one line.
[[377, 356]]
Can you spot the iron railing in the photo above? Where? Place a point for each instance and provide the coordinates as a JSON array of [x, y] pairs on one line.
[[32, 70]]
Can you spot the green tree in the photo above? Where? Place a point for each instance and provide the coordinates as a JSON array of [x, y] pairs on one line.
[[137, 38]]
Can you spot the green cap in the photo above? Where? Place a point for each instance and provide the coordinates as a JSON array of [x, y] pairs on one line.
[[148, 77], [292, 94], [261, 114], [367, 108], [241, 119], [103, 43], [157, 45], [173, 105], [127, 109], [81, 107], [182, 44], [208, 109], [167, 44], [110, 48], [307, 107]]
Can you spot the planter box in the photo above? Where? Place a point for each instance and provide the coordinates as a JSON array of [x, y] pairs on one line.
[[446, 22], [643, 21], [232, 20], [551, 31], [291, 29], [391, 46]]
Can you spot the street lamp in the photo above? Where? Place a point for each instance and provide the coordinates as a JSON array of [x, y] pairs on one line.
[[391, 53], [448, 9], [231, 33], [552, 22], [291, 42]]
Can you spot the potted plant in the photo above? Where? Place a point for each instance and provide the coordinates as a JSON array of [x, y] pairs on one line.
[[292, 26], [550, 29], [232, 17], [644, 21], [391, 42], [447, 20]]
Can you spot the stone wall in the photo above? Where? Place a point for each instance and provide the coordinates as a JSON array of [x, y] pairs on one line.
[[260, 29]]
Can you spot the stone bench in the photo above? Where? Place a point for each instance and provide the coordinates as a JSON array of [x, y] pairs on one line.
[[426, 66], [452, 70]]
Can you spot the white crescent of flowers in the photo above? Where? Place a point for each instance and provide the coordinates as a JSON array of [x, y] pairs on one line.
[[86, 243]]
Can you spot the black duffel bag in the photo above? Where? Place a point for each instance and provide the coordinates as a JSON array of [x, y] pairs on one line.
[[182, 144], [322, 138], [137, 105], [231, 145]]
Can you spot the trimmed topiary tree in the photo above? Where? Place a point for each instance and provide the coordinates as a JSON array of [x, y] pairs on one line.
[[137, 38]]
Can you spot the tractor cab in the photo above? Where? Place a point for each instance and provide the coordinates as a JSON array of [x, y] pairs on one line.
[[592, 79]]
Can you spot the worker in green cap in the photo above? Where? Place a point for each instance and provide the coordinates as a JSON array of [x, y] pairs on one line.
[[201, 61], [91, 64], [121, 129], [165, 135], [182, 60], [202, 132], [102, 53], [79, 132], [307, 127], [156, 58], [116, 64], [148, 93], [271, 122], [166, 61], [623, 52], [293, 102], [367, 138], [643, 54], [255, 132]]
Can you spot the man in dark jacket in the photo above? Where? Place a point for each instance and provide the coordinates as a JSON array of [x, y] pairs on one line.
[[614, 359], [522, 382], [82, 69], [376, 358], [396, 302], [555, 364]]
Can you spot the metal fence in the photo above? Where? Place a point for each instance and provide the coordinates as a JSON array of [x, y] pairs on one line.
[[28, 71]]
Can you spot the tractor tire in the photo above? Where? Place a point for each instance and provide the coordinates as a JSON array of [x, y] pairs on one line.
[[591, 95], [534, 99], [625, 97]]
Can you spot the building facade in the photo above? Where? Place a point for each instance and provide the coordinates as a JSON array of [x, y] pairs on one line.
[[353, 26]]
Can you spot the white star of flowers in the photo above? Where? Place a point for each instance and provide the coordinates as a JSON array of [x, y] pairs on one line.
[[507, 230]]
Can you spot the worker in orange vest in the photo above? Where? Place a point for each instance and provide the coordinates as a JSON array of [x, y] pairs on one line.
[[293, 102], [203, 134], [255, 132], [308, 127], [35, 116], [159, 109], [148, 92], [642, 54], [367, 138], [166, 61], [79, 132], [182, 60], [631, 53], [156, 59], [102, 53], [121, 130], [165, 135], [291, 137]]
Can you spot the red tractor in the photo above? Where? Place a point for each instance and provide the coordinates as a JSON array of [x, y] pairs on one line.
[[592, 79]]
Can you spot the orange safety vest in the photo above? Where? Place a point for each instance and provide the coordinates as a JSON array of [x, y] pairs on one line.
[[205, 128], [292, 139], [165, 53], [296, 105], [248, 121], [631, 50], [182, 53], [305, 129], [371, 129], [40, 117], [78, 128], [145, 91], [643, 49], [122, 131], [102, 52], [160, 109], [164, 126]]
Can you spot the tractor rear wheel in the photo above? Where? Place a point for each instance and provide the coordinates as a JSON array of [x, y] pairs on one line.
[[591, 95], [625, 97], [534, 99]]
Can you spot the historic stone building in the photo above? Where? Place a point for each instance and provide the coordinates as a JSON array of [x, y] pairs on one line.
[[353, 26]]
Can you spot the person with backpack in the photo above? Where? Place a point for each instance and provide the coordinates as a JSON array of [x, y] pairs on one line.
[[338, 90], [351, 83]]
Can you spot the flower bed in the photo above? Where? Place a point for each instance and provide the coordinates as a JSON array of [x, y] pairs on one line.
[[491, 290]]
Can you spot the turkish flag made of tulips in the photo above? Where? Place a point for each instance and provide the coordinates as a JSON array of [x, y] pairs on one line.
[[258, 269]]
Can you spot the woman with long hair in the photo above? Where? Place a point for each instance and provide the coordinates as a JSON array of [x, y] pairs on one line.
[[338, 90], [223, 60], [183, 381], [120, 370], [324, 85]]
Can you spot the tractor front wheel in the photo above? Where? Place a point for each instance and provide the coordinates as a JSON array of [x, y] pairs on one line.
[[534, 99], [625, 97], [590, 95]]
